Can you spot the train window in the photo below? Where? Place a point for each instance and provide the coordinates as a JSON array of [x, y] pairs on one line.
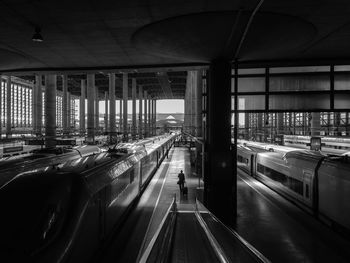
[[132, 175], [291, 183], [307, 191]]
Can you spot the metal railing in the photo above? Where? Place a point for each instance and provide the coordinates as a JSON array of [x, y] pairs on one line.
[[257, 256], [165, 248]]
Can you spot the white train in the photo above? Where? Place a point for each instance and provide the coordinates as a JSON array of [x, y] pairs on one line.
[[66, 214], [318, 183]]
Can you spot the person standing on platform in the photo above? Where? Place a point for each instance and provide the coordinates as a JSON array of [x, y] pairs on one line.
[[181, 181]]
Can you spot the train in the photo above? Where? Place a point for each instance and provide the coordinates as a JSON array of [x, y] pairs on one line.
[[329, 142], [46, 158], [318, 183], [67, 214]]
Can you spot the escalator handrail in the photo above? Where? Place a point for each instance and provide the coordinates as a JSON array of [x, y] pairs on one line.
[[252, 250], [214, 243], [172, 208]]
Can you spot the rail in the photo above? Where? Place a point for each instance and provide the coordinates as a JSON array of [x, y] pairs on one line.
[[257, 256], [163, 253], [214, 243]]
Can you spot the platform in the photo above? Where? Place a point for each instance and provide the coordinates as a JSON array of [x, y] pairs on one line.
[[281, 231], [152, 207]]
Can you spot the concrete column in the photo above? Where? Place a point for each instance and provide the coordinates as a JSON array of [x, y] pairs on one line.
[[112, 126], [199, 117], [91, 108], [279, 122], [37, 105], [69, 113], [125, 106], [1, 112], [64, 104], [40, 107], [155, 116], [260, 126], [121, 116], [140, 112], [1, 106], [145, 96], [220, 181], [97, 111], [82, 106], [8, 107], [50, 111], [149, 116], [315, 124], [106, 111], [34, 104], [134, 131]]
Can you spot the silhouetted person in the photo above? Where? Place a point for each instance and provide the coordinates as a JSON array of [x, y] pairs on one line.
[[181, 181]]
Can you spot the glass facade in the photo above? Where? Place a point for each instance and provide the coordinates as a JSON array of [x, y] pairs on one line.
[[22, 107]]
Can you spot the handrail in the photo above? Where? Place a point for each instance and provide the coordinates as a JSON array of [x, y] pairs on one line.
[[252, 250], [147, 252], [214, 243]]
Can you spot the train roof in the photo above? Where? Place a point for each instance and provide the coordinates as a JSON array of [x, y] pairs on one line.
[[303, 154]]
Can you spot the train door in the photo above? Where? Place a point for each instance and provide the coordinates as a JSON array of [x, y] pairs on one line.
[[307, 176], [252, 165]]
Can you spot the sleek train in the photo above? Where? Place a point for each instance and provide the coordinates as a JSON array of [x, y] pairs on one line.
[[315, 181], [13, 166], [329, 142], [65, 214]]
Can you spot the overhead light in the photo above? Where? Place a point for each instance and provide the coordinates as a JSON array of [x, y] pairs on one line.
[[37, 37]]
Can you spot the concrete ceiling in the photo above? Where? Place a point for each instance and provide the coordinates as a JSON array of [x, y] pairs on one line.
[[111, 35]]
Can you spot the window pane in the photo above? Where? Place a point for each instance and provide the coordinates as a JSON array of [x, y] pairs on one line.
[[250, 85], [299, 102], [300, 69], [342, 101], [342, 82], [250, 102], [299, 83]]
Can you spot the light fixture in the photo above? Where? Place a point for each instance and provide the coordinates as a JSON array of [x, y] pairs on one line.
[[37, 37]]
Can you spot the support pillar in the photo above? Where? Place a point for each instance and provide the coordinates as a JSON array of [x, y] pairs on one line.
[[121, 116], [133, 131], [149, 116], [34, 104], [64, 104], [39, 103], [155, 116], [145, 114], [140, 113], [199, 117], [1, 106], [125, 107], [82, 107], [97, 111], [220, 180], [90, 108], [260, 127], [280, 123], [106, 112], [69, 113], [315, 124], [8, 107], [50, 110], [112, 125]]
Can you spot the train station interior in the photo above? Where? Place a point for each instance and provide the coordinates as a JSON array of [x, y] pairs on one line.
[[255, 169]]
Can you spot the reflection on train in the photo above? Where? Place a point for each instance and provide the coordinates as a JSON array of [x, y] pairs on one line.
[[64, 215], [48, 159], [317, 182]]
